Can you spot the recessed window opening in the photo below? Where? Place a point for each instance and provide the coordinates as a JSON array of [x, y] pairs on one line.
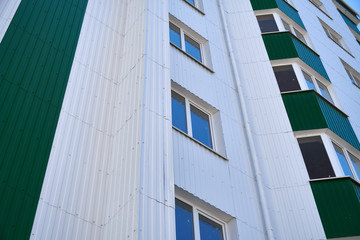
[[350, 164], [294, 31], [317, 86], [190, 42], [194, 224], [191, 119], [286, 78], [316, 158], [198, 4], [267, 23], [353, 75]]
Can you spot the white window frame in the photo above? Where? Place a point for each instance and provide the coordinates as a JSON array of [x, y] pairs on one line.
[[294, 31], [203, 43], [196, 210], [198, 5], [348, 160], [315, 82], [188, 103], [351, 73], [320, 6], [328, 138], [334, 36]]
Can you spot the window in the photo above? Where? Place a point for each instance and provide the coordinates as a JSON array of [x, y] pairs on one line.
[[197, 4], [190, 42], [294, 31], [286, 78], [350, 164], [334, 36], [353, 75], [317, 86], [191, 119], [319, 5], [267, 23], [316, 158], [193, 224]]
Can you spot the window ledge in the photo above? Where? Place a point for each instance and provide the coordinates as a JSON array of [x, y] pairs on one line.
[[321, 10], [342, 48], [197, 9], [356, 85], [200, 143], [203, 65]]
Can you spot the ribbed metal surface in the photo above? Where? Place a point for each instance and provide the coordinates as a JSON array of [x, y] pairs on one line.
[[290, 11], [282, 5], [350, 23], [110, 171], [338, 202], [37, 52], [7, 11], [284, 45], [307, 110]]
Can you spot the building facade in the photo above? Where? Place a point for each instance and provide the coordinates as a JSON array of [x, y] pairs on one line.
[[179, 119]]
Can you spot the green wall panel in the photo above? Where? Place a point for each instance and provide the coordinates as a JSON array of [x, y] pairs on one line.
[[283, 45], [307, 110], [338, 203], [36, 55], [290, 12], [282, 5]]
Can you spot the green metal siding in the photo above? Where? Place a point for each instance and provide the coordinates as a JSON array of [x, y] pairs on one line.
[[350, 23], [309, 57], [338, 203], [283, 45], [36, 57], [290, 12], [282, 5], [307, 110]]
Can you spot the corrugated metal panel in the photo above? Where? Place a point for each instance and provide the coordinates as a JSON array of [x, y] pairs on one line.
[[282, 5], [263, 4], [350, 23], [37, 52], [7, 11], [307, 110], [282, 45], [290, 11], [310, 57], [338, 202]]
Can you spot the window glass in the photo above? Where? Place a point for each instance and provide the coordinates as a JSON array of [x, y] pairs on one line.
[[209, 230], [200, 126], [309, 81], [183, 221], [267, 23], [353, 78], [192, 2], [342, 160], [286, 78], [356, 164], [324, 91], [316, 159], [175, 35], [178, 111], [286, 25], [299, 36], [192, 48]]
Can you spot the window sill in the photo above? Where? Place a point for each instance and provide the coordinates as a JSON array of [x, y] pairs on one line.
[[342, 48], [321, 10], [197, 9], [356, 85], [203, 65], [200, 143]]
